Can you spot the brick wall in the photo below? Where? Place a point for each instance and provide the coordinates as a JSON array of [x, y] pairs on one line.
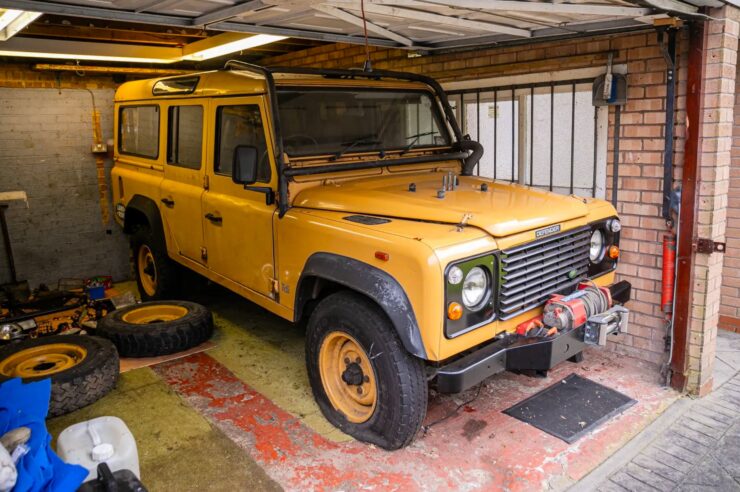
[[641, 141], [730, 304], [45, 138]]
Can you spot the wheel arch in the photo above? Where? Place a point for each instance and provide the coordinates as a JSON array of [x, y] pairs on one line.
[[141, 210], [327, 272]]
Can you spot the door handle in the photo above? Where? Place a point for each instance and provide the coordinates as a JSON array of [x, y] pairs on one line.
[[214, 218], [168, 202]]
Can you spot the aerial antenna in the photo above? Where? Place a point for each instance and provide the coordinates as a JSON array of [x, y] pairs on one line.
[[368, 66]]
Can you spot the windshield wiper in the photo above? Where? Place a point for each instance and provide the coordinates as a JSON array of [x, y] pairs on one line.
[[366, 140], [415, 138]]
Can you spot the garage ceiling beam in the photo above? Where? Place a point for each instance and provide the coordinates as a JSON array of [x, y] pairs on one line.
[[160, 4], [673, 6], [226, 13], [585, 29], [300, 33], [357, 21], [176, 21], [418, 15], [547, 7], [96, 12]]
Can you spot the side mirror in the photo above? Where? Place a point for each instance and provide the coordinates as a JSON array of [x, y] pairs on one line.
[[244, 169]]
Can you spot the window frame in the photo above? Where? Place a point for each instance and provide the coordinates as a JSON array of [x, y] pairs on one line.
[[169, 135], [217, 140], [120, 130], [437, 113]]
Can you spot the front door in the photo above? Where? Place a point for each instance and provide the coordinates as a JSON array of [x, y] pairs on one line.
[[181, 190], [238, 222]]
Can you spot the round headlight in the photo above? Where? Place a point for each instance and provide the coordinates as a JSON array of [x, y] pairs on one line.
[[596, 250], [455, 275], [475, 288], [615, 225]]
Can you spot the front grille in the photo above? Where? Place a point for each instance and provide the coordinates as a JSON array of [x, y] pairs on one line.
[[531, 272]]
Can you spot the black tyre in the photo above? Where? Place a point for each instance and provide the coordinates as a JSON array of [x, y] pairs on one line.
[[82, 368], [156, 274], [157, 328], [363, 379]]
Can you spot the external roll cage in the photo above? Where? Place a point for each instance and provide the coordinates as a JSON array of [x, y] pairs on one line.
[[463, 144]]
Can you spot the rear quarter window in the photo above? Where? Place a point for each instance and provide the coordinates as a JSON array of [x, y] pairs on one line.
[[138, 131], [185, 136]]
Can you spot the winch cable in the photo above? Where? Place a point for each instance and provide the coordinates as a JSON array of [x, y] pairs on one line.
[[560, 313], [425, 428]]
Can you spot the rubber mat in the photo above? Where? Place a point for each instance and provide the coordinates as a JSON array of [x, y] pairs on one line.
[[571, 408]]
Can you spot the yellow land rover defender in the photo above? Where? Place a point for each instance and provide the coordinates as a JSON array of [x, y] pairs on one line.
[[347, 198]]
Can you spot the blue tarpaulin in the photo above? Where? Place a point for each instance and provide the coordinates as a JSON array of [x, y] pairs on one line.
[[26, 405]]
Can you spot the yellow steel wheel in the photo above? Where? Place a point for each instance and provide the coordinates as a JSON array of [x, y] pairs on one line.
[[158, 313], [147, 269], [42, 361], [348, 376]]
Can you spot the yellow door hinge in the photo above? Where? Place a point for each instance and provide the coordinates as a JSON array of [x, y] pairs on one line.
[[204, 254], [205, 182]]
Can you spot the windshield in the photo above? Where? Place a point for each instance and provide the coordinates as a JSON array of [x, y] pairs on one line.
[[345, 120]]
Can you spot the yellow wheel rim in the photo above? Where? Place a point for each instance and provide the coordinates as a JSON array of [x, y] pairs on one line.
[[348, 376], [147, 270], [146, 315], [42, 361]]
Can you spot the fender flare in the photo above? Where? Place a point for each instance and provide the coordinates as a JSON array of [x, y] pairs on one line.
[[148, 208], [370, 281]]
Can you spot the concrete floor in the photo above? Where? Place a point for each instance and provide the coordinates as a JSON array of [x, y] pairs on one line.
[[727, 359], [241, 416]]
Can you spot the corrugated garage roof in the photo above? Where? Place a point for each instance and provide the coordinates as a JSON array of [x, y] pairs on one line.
[[419, 24]]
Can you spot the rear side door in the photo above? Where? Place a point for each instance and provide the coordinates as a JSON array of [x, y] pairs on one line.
[[238, 222], [182, 189]]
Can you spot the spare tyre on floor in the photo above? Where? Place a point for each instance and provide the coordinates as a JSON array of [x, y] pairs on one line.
[[157, 328], [82, 368]]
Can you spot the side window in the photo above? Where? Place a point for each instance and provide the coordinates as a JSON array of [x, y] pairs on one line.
[[138, 131], [185, 136], [240, 125]]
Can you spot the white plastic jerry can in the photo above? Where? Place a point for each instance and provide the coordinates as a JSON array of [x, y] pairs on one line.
[[104, 439]]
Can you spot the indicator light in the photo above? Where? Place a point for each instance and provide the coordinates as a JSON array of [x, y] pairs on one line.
[[454, 311]]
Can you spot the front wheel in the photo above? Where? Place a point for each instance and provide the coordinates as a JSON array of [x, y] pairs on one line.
[[363, 379]]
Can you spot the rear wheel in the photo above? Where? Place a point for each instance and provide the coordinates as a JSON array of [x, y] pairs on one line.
[[82, 368], [363, 379], [156, 274]]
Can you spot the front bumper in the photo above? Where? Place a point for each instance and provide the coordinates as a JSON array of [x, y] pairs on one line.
[[515, 353]]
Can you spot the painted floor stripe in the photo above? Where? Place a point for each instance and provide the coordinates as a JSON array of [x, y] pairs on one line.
[[478, 448]]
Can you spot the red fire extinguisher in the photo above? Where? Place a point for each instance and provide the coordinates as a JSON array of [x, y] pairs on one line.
[[669, 272]]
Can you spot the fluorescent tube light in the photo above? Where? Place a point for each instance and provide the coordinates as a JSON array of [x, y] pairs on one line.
[[231, 46], [12, 21], [9, 16]]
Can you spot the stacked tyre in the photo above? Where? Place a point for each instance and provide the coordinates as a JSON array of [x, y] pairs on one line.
[[157, 328], [82, 368]]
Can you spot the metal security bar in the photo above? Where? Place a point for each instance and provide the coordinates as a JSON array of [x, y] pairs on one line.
[[548, 135]]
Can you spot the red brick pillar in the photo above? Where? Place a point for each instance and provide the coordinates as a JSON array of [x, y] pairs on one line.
[[714, 173]]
